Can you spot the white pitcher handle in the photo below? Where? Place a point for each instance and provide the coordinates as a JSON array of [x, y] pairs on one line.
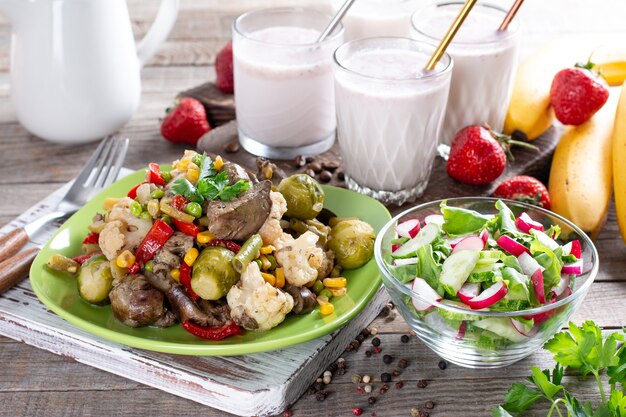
[[161, 27]]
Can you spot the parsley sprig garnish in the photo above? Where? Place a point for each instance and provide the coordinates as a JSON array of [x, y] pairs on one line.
[[211, 185], [582, 348]]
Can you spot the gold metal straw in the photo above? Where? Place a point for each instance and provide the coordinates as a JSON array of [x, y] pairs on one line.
[[510, 15], [445, 42]]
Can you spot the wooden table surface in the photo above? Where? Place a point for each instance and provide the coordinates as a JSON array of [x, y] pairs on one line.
[[37, 383]]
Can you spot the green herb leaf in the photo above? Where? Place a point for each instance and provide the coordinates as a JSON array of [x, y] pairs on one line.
[[518, 284], [428, 268], [519, 398], [500, 412], [617, 404], [232, 191], [574, 407], [542, 380], [183, 187], [459, 221], [617, 373]]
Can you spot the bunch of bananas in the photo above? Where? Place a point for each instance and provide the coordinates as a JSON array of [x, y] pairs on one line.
[[590, 159]]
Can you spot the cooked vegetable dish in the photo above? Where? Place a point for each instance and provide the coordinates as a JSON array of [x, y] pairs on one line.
[[209, 245]]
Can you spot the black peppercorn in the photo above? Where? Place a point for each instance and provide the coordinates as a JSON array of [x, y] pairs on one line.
[[321, 395], [399, 384], [430, 405], [385, 377], [376, 341], [385, 311], [360, 338], [368, 353], [365, 332], [387, 359], [404, 338], [403, 363], [340, 371], [371, 400], [422, 383], [443, 365], [341, 176]]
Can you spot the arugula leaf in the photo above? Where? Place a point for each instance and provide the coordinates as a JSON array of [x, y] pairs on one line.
[[519, 398], [542, 380], [459, 221]]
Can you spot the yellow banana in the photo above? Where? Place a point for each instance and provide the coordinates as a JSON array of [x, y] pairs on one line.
[[619, 162], [581, 174], [610, 63]]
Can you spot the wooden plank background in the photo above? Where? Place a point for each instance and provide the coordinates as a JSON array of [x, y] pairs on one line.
[[35, 382]]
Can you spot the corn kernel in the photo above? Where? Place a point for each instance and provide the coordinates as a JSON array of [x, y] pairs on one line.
[[338, 292], [271, 279], [204, 237], [265, 263], [266, 250], [338, 282], [182, 165], [191, 256], [218, 163], [175, 273], [125, 259], [280, 277], [109, 202], [322, 299], [193, 175], [327, 309]]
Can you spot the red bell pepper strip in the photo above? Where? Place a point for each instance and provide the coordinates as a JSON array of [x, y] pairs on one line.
[[187, 228], [185, 279], [228, 244], [212, 333], [83, 258], [132, 193], [179, 202], [155, 174], [91, 238], [134, 268], [154, 241]]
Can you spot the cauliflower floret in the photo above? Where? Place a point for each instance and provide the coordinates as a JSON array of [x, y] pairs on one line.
[[271, 231], [301, 259], [122, 230], [257, 299]]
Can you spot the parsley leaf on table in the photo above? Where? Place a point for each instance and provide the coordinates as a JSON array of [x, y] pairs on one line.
[[519, 398], [542, 380]]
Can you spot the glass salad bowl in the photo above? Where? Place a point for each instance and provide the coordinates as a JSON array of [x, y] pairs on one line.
[[517, 303]]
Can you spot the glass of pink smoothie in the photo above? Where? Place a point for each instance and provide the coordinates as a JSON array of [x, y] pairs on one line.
[[484, 62], [389, 115], [284, 82]]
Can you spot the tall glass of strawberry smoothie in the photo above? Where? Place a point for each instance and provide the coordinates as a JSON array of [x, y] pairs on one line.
[[284, 82], [389, 115], [484, 62]]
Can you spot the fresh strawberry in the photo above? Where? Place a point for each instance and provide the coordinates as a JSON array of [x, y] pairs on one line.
[[577, 93], [186, 122], [224, 69], [478, 155], [526, 189]]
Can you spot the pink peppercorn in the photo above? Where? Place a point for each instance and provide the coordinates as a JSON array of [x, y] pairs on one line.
[[357, 411]]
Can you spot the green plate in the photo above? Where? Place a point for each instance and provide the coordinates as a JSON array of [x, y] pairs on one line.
[[59, 292]]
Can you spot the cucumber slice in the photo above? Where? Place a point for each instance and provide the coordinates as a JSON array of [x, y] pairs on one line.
[[456, 269], [424, 237], [501, 326]]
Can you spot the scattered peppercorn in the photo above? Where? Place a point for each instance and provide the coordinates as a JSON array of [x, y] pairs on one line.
[[374, 331], [341, 176], [371, 400], [424, 414], [376, 341], [391, 316], [366, 379], [310, 173], [357, 411], [341, 360], [384, 312], [287, 413], [349, 348], [311, 390], [319, 385], [415, 412], [360, 338], [395, 373], [387, 359], [309, 159], [321, 395], [385, 377], [360, 390], [368, 353], [384, 389], [403, 363], [422, 383], [326, 176], [315, 166], [332, 367], [340, 371], [365, 332], [327, 380], [430, 405], [405, 338], [399, 384], [356, 379], [368, 388], [443, 365], [231, 147], [300, 161], [377, 350]]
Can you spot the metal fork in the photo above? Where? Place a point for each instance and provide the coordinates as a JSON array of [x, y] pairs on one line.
[[99, 172]]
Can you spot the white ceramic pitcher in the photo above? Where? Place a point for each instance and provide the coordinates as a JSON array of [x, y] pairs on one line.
[[74, 65]]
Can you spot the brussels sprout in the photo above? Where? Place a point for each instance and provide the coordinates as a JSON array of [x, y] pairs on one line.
[[213, 273], [304, 196], [95, 280], [352, 241]]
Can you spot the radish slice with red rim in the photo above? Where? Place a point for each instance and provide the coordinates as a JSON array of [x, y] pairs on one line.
[[525, 223], [468, 291], [484, 235], [469, 243], [511, 246], [528, 263], [462, 328], [542, 317], [575, 268], [563, 286], [489, 297], [395, 247], [572, 248], [421, 287], [537, 280], [409, 228], [434, 218], [523, 328]]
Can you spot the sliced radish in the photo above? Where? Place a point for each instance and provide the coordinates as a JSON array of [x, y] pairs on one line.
[[405, 261], [489, 297], [572, 248], [395, 247], [542, 317], [528, 263], [421, 287], [537, 280], [524, 329], [511, 246], [455, 241], [434, 218], [484, 235], [409, 228], [524, 223], [462, 328], [424, 237], [562, 287], [468, 291], [575, 268], [469, 243], [544, 239]]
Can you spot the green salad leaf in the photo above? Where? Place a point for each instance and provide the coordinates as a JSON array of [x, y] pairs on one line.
[[428, 268], [459, 221], [518, 284]]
